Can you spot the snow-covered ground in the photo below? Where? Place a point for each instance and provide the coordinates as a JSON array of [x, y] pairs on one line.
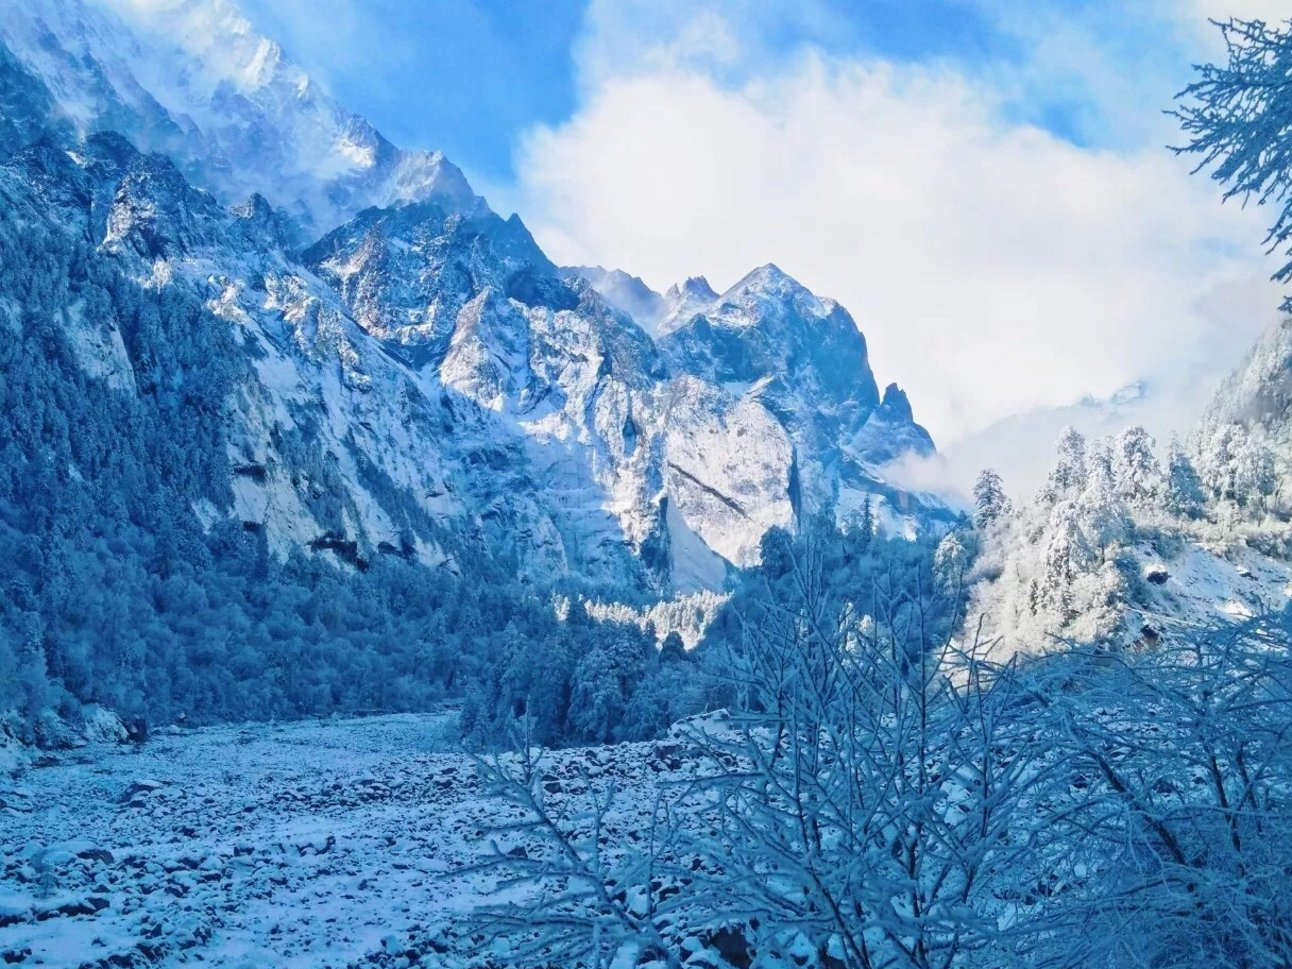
[[297, 845], [308, 844], [1199, 583]]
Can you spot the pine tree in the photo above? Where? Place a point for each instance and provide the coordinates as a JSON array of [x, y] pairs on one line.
[[1236, 118], [672, 649], [1136, 472], [990, 501], [597, 699], [1100, 513], [949, 560], [1255, 478], [1217, 453], [1182, 495], [1068, 475]]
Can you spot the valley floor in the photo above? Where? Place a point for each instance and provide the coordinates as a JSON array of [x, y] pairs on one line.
[[309, 844]]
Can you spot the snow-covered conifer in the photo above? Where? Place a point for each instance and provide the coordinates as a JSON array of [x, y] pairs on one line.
[[1100, 513], [1136, 472], [989, 499], [1182, 494], [949, 560], [1068, 474], [1255, 479], [1236, 118]]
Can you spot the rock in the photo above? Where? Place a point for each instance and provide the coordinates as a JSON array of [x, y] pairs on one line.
[[14, 802], [102, 726], [71, 908], [317, 846], [100, 855], [705, 959], [138, 790], [14, 909], [730, 943]]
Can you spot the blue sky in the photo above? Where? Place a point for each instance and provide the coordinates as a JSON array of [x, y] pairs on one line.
[[460, 75], [470, 76], [984, 184]]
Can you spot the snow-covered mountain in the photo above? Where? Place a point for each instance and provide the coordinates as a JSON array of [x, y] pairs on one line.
[[802, 358], [421, 379], [1258, 394], [624, 292], [192, 79]]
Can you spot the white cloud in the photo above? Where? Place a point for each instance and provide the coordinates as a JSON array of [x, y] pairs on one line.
[[994, 267]]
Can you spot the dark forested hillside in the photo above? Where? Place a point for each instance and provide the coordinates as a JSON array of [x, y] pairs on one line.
[[116, 592]]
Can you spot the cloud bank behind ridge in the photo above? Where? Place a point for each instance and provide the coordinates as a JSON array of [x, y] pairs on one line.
[[997, 263]]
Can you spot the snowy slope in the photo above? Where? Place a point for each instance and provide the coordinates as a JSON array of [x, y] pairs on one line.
[[1258, 394], [1192, 585], [1123, 546]]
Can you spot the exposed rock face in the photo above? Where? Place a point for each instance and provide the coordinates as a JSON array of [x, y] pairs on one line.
[[422, 380], [802, 358]]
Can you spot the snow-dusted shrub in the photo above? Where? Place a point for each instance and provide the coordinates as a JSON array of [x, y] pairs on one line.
[[873, 802], [859, 804], [1174, 808]]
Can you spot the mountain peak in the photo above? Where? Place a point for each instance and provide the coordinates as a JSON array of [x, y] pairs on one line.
[[694, 287], [195, 80], [769, 280], [897, 404], [767, 274], [683, 302]]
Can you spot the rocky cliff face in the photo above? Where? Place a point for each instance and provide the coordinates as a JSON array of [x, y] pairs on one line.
[[422, 380], [772, 342]]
